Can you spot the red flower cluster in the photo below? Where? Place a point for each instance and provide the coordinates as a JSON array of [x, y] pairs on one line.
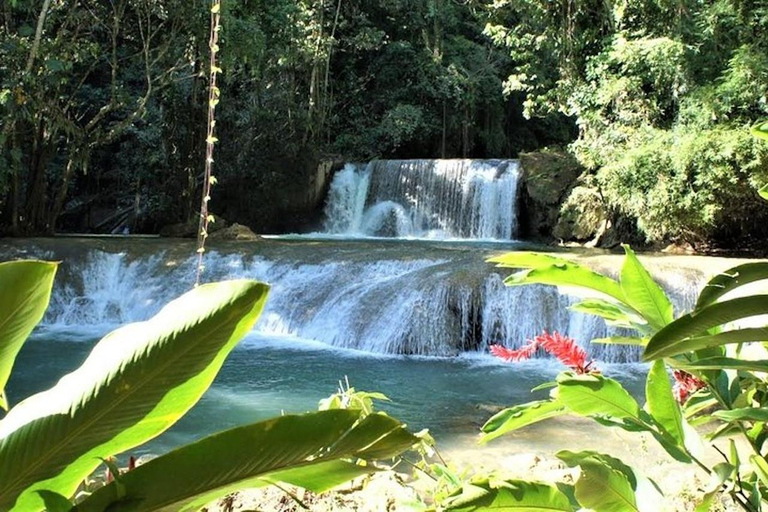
[[685, 385], [562, 347]]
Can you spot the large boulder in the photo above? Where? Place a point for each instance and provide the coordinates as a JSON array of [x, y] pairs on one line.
[[582, 216], [548, 176]]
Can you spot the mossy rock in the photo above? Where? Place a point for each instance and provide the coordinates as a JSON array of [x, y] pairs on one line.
[[548, 176], [582, 215]]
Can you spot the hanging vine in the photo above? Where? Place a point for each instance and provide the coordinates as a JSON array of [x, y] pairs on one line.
[[213, 99]]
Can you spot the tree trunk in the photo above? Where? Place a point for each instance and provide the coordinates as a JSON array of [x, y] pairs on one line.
[[38, 35]]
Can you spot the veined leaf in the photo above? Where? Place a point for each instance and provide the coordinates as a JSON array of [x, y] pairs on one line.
[[722, 363], [519, 416], [622, 340], [589, 395], [761, 468], [524, 259], [643, 293], [25, 289], [661, 403], [508, 495], [606, 484], [309, 451], [612, 313], [696, 343], [672, 339], [137, 382], [729, 280], [745, 414], [568, 275]]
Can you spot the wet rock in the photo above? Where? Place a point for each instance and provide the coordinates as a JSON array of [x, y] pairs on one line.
[[234, 232]]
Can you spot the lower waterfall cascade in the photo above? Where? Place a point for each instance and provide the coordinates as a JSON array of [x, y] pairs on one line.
[[403, 304]]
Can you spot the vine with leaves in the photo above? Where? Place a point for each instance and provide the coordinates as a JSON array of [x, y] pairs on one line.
[[213, 99]]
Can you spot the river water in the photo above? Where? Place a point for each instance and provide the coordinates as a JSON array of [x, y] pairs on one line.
[[394, 295]]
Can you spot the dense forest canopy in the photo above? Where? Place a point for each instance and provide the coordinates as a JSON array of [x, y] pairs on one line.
[[103, 104]]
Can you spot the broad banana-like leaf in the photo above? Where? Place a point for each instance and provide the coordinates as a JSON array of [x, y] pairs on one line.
[[137, 382], [727, 281], [308, 451], [520, 416], [569, 276], [589, 395], [661, 403], [675, 338], [488, 494], [25, 289], [643, 293]]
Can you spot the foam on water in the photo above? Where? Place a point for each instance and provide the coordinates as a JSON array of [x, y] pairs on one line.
[[431, 307]]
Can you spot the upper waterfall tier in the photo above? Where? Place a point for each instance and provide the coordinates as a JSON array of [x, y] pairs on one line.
[[471, 199]]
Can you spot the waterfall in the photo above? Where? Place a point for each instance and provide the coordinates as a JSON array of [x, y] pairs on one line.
[[414, 303], [472, 199]]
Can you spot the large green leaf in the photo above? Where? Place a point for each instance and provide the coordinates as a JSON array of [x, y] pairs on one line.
[[722, 363], [744, 414], [25, 289], [605, 485], [613, 314], [487, 494], [671, 340], [519, 416], [307, 451], [746, 335], [661, 403], [137, 382], [570, 276], [760, 130], [643, 293], [731, 279], [589, 395]]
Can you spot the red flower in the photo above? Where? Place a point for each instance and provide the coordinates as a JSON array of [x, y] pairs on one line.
[[508, 354], [562, 347], [685, 385]]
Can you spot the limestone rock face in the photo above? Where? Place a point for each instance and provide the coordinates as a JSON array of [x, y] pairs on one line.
[[582, 216], [548, 177]]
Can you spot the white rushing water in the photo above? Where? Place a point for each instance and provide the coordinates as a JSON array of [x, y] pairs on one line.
[[432, 307], [470, 199]]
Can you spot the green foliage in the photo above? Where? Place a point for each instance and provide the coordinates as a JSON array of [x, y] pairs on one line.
[[137, 382], [20, 311], [309, 451], [706, 343], [663, 95]]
